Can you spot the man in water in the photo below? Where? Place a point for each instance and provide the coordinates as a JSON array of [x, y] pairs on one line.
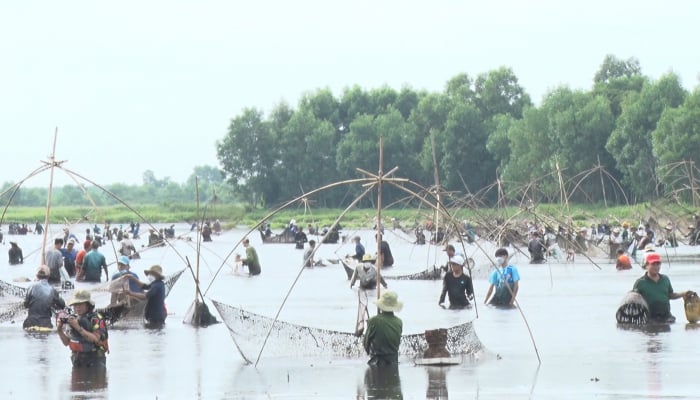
[[155, 312], [93, 264], [537, 249], [87, 337], [457, 285], [656, 290], [15, 254], [309, 254], [359, 249], [41, 298], [505, 279], [69, 253], [366, 273], [383, 335], [54, 260], [251, 258], [385, 253], [623, 261]]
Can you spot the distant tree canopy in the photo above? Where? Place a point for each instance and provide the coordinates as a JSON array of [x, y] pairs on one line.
[[209, 180], [482, 130]]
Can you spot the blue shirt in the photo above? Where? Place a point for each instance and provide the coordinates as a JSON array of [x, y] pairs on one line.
[[155, 302], [133, 285]]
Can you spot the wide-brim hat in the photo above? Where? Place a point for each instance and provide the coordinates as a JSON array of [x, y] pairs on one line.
[[155, 270], [616, 230], [81, 296], [649, 247], [389, 301], [369, 257]]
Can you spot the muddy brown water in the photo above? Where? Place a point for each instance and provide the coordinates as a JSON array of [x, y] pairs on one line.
[[569, 309]]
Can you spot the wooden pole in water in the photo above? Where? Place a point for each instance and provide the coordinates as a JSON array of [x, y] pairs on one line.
[[52, 160], [602, 183], [380, 258], [199, 244]]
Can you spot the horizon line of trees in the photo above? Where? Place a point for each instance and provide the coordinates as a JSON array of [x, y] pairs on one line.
[[628, 139]]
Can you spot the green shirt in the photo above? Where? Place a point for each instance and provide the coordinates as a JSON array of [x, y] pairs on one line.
[[251, 258], [383, 336], [93, 264], [656, 294]]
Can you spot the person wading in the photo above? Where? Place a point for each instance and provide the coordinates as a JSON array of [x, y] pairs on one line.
[[383, 335]]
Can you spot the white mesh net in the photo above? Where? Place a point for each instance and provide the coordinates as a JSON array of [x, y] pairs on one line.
[[249, 330]]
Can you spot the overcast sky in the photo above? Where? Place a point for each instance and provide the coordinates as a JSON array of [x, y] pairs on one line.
[[152, 85]]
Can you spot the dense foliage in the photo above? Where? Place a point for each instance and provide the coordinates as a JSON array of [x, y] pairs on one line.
[[618, 142]]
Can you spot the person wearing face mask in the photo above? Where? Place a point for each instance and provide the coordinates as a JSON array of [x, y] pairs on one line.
[[131, 284], [155, 313], [506, 281]]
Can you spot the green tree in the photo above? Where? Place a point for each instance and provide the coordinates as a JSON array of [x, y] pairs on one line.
[[247, 154], [616, 79], [677, 139], [498, 92], [630, 143]]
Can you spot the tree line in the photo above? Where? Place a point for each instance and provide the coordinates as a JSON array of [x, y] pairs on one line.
[[628, 139], [207, 180]]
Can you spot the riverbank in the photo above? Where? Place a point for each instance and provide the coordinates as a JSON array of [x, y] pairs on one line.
[[233, 215]]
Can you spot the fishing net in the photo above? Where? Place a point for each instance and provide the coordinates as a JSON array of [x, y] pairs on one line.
[[11, 300], [8, 311], [632, 310], [7, 289], [199, 315], [249, 330], [124, 307]]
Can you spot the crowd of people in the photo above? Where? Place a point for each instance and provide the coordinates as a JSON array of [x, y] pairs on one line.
[[84, 330]]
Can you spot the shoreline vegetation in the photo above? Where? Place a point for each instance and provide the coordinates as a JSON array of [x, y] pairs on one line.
[[237, 215]]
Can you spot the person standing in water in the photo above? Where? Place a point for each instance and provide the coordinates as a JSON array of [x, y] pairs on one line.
[[505, 280], [251, 258], [383, 335]]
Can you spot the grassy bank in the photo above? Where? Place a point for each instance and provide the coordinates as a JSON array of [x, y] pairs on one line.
[[238, 215]]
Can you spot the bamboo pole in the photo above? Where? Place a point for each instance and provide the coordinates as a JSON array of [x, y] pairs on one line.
[[199, 242], [379, 236], [52, 159]]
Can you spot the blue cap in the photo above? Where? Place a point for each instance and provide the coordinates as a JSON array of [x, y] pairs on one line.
[[123, 260]]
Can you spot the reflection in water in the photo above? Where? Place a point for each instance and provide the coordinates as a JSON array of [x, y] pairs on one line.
[[649, 329], [383, 382], [437, 383], [87, 382]]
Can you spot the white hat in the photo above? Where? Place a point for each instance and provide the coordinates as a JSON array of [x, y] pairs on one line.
[[457, 259]]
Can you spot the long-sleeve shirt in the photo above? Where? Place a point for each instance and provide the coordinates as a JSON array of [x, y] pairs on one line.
[[252, 261], [458, 288], [40, 300], [155, 302], [383, 337], [367, 274]]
